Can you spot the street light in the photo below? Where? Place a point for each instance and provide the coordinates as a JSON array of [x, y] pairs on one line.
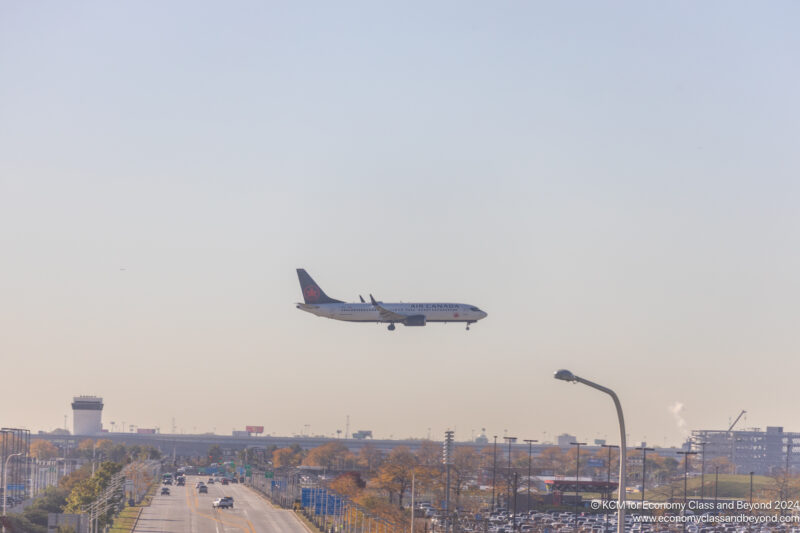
[[530, 457], [5, 484], [702, 470], [577, 475], [494, 471], [566, 375], [608, 478], [686, 455], [644, 451], [509, 440]]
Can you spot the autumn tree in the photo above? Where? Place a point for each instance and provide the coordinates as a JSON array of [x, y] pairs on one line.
[[724, 465], [348, 484], [552, 460], [466, 462], [370, 457], [43, 450], [394, 475], [328, 455], [286, 457]]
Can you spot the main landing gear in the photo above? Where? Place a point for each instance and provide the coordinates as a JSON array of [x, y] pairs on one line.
[[391, 327]]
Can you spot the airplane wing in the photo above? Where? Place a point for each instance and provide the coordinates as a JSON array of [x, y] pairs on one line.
[[385, 313]]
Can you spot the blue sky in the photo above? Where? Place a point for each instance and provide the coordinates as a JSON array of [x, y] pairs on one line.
[[615, 184]]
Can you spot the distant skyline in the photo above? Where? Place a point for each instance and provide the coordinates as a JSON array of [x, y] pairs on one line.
[[615, 184]]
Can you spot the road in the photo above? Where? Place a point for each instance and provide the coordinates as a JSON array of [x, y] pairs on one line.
[[186, 511]]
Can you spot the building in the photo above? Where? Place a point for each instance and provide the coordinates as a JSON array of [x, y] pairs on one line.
[[565, 439], [87, 412], [752, 450]]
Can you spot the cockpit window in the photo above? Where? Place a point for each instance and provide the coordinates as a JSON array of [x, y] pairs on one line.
[[474, 309]]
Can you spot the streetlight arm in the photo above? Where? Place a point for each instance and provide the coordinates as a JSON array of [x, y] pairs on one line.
[[566, 375]]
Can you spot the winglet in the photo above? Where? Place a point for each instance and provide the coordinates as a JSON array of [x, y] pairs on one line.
[[371, 299], [362, 299]]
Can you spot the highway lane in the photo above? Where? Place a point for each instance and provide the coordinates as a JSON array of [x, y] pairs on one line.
[[186, 511]]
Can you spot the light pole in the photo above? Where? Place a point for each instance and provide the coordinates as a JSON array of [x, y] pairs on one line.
[[530, 458], [566, 375], [5, 484], [685, 455], [702, 470], [608, 478], [509, 440], [716, 485], [447, 459], [577, 475], [644, 451], [494, 471]]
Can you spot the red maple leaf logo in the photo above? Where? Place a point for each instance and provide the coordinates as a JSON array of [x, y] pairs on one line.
[[455, 315], [311, 293]]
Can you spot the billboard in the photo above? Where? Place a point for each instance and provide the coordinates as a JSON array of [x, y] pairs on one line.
[[254, 429]]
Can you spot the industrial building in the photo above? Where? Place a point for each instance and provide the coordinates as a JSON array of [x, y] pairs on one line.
[[750, 450]]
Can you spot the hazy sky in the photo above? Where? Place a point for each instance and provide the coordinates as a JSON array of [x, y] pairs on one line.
[[615, 183]]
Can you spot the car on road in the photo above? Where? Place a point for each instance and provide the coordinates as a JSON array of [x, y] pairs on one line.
[[226, 502], [202, 489], [165, 491]]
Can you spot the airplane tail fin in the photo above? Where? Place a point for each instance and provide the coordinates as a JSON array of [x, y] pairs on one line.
[[312, 293]]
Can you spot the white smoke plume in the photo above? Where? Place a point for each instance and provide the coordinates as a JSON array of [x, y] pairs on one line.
[[677, 411]]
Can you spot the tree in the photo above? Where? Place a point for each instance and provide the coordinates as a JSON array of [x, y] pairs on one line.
[[215, 454], [394, 475], [466, 462], [724, 464], [552, 460], [370, 457], [329, 455], [43, 450], [286, 457], [348, 484]]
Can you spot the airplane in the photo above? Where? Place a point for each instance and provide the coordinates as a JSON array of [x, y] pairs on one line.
[[318, 303]]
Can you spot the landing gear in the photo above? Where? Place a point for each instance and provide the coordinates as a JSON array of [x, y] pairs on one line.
[[391, 327], [468, 323]]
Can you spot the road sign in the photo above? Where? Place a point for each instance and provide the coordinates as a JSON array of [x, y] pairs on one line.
[[269, 475]]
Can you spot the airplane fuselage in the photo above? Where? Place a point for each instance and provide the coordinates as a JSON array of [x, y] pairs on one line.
[[364, 312]]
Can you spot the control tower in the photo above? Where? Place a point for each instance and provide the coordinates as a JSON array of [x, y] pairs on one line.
[[87, 413]]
